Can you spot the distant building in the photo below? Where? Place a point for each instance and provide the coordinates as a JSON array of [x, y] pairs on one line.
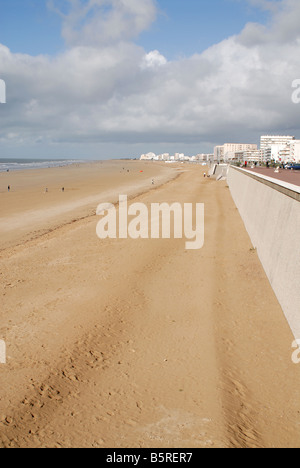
[[295, 151], [228, 151], [231, 148], [165, 156], [249, 156], [204, 157], [218, 153], [148, 156], [276, 147]]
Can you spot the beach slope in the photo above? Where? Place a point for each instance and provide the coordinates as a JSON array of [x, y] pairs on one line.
[[142, 343]]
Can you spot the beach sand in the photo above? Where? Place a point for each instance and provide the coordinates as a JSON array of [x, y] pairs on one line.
[[37, 204], [137, 343]]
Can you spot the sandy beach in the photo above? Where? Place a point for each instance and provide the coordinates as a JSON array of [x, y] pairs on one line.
[[137, 343]]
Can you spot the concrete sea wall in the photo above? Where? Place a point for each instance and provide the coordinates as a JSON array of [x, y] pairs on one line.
[[270, 210]]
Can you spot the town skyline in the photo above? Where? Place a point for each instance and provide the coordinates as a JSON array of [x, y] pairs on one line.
[[280, 148], [94, 81]]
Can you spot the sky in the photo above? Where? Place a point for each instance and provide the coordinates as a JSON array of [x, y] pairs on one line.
[[98, 79]]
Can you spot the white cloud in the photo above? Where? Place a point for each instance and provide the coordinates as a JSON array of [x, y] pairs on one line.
[[106, 89], [98, 22], [153, 59]]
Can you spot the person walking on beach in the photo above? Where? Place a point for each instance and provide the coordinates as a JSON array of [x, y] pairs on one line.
[[8, 188]]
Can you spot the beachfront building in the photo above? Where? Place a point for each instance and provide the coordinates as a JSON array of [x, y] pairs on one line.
[[295, 151], [276, 147], [148, 157], [284, 154], [204, 157], [228, 151], [165, 157], [177, 157], [218, 154], [249, 156]]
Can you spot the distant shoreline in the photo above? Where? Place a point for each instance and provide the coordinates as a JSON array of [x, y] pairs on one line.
[[52, 197], [18, 164], [12, 164]]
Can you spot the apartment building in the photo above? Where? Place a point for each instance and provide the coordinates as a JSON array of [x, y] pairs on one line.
[[295, 151], [228, 150], [276, 147]]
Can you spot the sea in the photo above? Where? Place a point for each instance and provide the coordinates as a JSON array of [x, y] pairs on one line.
[[7, 165]]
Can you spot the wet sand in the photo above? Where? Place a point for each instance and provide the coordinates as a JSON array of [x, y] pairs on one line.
[[37, 204], [141, 343]]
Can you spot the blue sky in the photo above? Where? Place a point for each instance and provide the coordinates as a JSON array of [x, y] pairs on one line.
[[118, 78], [186, 27], [183, 27]]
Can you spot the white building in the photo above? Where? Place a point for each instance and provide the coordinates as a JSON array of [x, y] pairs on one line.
[[231, 148], [295, 151], [204, 157], [228, 150], [148, 157], [276, 147], [165, 156], [219, 153], [250, 156]]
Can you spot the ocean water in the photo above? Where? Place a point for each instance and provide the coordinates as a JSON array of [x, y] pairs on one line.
[[25, 164]]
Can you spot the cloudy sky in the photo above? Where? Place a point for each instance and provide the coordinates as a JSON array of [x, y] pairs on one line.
[[116, 78]]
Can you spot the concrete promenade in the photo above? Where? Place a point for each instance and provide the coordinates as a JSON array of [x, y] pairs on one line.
[[271, 214], [285, 175]]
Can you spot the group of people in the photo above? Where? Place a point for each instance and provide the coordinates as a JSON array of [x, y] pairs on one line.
[[46, 189]]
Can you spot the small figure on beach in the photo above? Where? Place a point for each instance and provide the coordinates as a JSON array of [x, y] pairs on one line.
[[204, 175], [46, 190], [8, 188], [152, 181], [63, 189]]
